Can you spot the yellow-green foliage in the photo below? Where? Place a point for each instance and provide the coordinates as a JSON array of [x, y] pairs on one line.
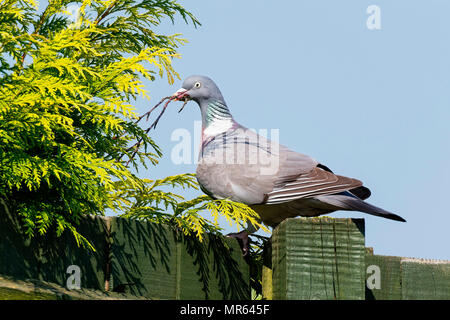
[[152, 202], [66, 112], [67, 119]]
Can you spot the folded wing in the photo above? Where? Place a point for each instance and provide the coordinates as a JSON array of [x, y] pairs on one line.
[[313, 183]]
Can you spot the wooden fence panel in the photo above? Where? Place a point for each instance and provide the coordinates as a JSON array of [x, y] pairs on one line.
[[383, 277], [153, 261], [134, 257], [425, 279], [47, 258]]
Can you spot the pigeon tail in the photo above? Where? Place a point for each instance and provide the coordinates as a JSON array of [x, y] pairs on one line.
[[344, 202], [361, 192]]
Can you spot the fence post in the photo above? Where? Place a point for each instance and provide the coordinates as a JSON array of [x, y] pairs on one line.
[[318, 258]]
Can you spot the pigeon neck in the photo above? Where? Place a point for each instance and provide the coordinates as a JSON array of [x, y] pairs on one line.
[[216, 118]]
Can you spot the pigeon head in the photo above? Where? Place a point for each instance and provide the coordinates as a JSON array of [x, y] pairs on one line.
[[216, 118], [201, 89]]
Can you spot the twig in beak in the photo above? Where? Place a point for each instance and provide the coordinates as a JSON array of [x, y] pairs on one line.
[[147, 114], [182, 107], [160, 115]]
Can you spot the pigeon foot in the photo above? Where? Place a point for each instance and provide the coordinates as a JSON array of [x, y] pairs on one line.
[[242, 239]]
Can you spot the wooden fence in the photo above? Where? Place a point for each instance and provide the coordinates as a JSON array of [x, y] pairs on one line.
[[134, 257], [325, 258], [307, 258]]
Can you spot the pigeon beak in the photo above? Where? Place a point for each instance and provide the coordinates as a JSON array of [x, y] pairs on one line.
[[180, 94]]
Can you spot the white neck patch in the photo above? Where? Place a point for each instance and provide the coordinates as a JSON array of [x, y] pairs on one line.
[[218, 126]]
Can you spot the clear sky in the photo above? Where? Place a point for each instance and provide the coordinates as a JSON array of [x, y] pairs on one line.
[[370, 104]]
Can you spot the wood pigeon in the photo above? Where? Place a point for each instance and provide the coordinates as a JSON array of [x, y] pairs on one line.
[[278, 183]]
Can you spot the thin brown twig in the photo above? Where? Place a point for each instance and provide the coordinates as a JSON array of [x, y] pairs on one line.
[[182, 107], [160, 115], [146, 115]]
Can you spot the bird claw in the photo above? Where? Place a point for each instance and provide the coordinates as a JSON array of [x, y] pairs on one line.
[[243, 240]]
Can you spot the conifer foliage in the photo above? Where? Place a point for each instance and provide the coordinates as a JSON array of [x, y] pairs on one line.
[[67, 120]]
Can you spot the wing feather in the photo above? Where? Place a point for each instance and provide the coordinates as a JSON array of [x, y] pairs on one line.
[[314, 183]]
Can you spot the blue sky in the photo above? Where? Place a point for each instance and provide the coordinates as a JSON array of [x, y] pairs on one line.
[[370, 104]]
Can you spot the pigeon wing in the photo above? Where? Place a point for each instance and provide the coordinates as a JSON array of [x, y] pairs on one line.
[[307, 185]]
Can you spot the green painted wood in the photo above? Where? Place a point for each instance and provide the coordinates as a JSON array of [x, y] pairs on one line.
[[18, 256], [56, 254], [318, 258], [425, 279], [383, 277], [213, 269], [47, 258], [279, 266], [13, 289], [267, 289], [143, 259], [153, 261]]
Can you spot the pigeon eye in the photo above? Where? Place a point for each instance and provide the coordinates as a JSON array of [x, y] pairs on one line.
[[197, 85]]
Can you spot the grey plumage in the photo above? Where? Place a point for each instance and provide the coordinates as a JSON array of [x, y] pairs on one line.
[[276, 182]]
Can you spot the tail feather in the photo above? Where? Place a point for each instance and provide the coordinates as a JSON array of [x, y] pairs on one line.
[[344, 202], [361, 192]]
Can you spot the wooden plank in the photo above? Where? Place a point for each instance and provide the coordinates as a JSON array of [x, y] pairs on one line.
[[267, 290], [383, 277], [213, 269], [18, 257], [153, 261], [47, 257], [318, 258], [425, 279], [13, 289], [143, 259], [279, 266], [56, 254]]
